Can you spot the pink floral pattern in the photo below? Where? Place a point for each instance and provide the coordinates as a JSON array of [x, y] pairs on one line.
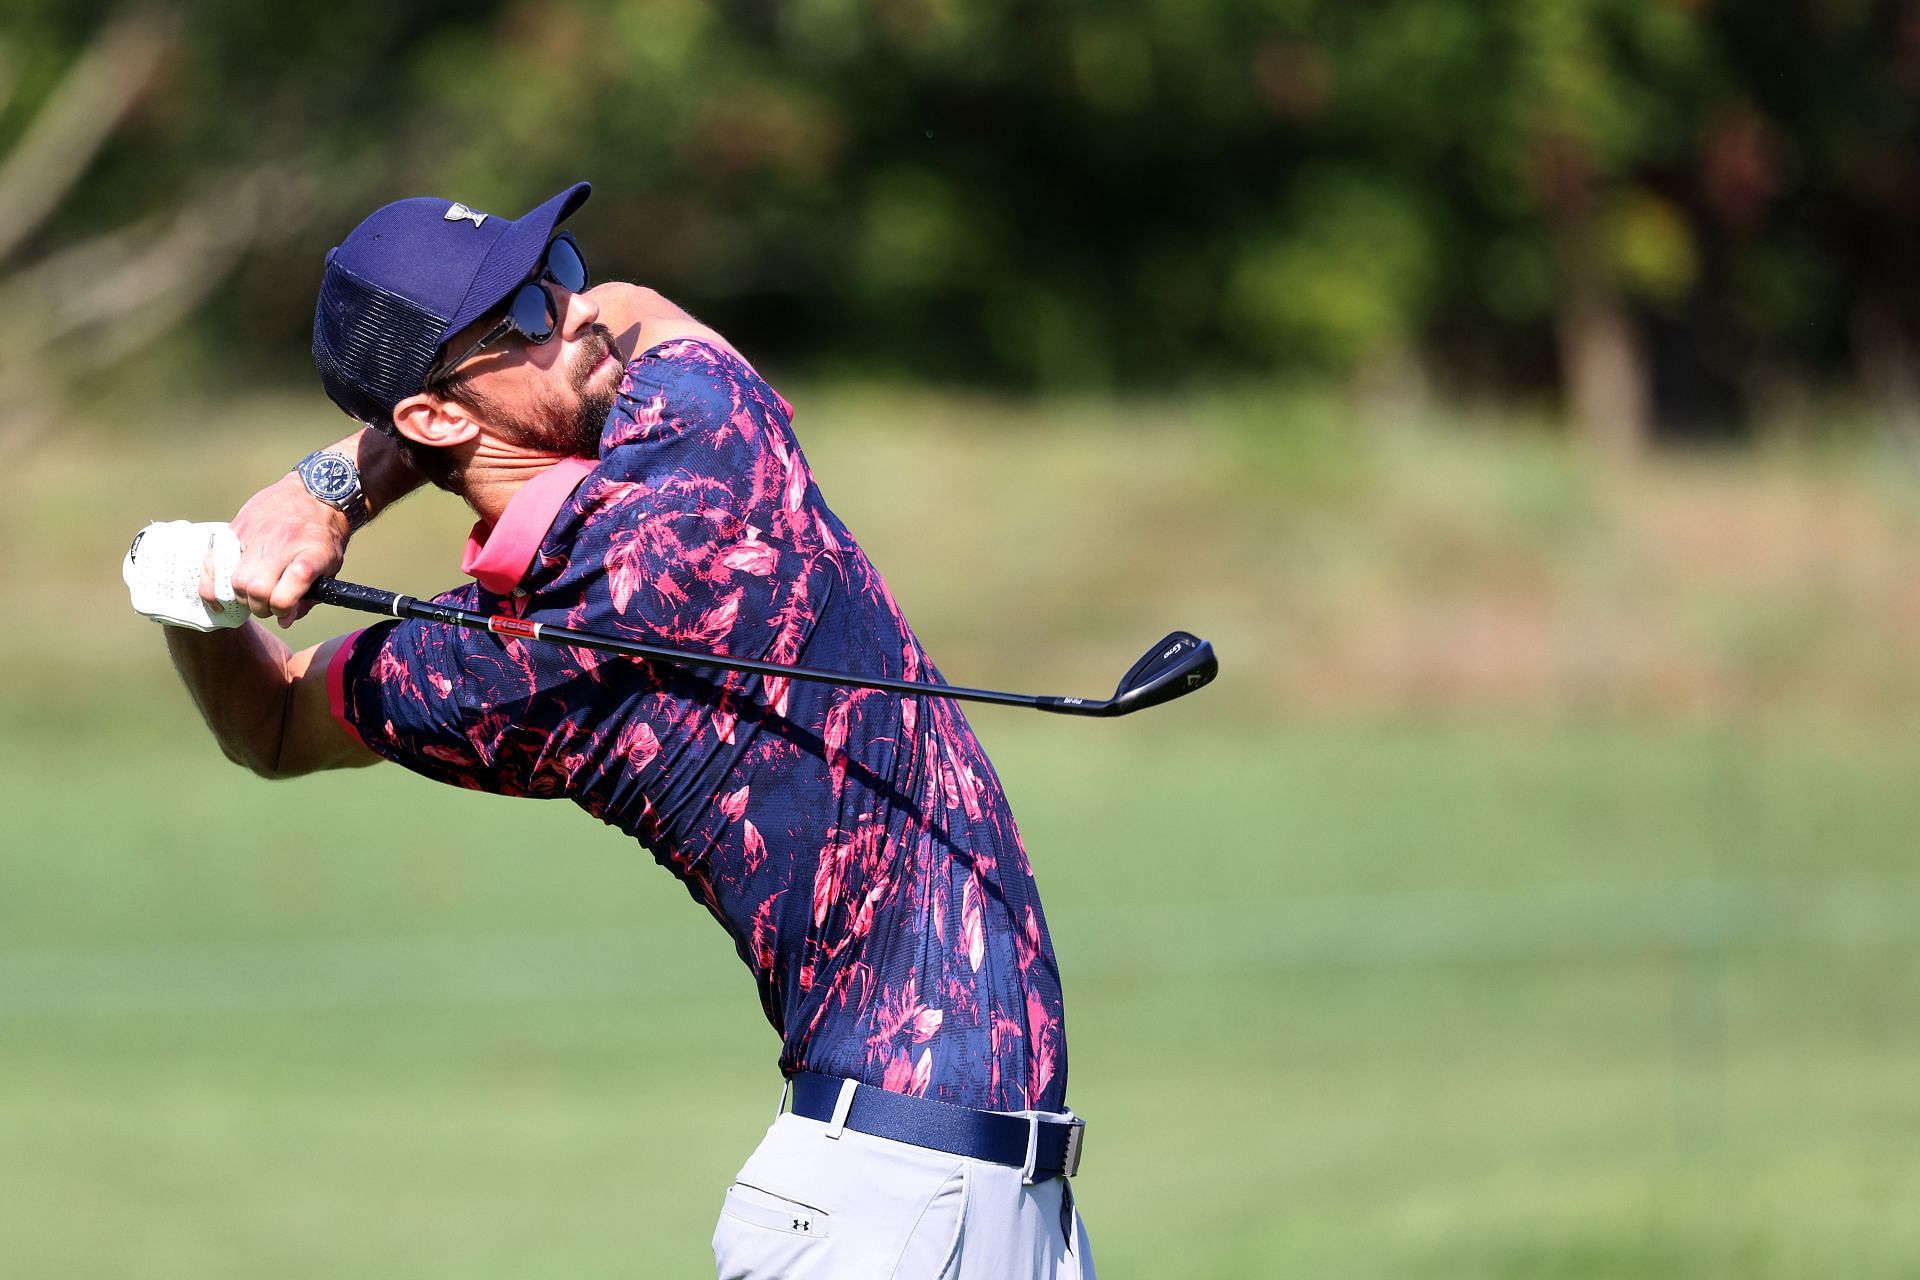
[[856, 845]]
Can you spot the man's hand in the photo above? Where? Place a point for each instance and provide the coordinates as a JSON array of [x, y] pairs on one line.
[[288, 538]]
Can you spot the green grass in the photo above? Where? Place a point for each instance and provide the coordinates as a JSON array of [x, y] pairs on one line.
[[1548, 994], [1317, 1032]]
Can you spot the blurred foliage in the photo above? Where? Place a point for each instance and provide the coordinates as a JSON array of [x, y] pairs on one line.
[[1134, 193]]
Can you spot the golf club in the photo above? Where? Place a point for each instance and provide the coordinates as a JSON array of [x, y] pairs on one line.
[[1177, 665]]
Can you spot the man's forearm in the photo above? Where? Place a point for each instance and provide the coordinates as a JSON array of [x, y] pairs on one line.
[[288, 537], [385, 477], [240, 681]]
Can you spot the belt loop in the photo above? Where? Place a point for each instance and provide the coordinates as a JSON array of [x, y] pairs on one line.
[[1033, 1149], [841, 1105]]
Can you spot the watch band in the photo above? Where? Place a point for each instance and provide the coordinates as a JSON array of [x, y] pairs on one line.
[[333, 478]]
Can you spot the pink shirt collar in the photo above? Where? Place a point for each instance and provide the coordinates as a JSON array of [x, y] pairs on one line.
[[498, 557]]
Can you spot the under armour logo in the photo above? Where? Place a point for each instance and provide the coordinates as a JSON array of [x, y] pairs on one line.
[[803, 1224], [457, 212]]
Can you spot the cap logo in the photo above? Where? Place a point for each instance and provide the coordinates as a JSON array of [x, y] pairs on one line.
[[457, 212]]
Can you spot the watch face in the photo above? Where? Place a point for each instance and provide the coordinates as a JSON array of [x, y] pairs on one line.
[[332, 478]]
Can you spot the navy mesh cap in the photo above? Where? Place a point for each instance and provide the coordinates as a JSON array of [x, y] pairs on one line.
[[412, 275]]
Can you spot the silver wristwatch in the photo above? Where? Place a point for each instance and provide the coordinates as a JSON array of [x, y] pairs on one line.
[[335, 480]]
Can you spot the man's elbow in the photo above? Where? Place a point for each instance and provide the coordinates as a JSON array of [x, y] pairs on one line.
[[262, 762], [289, 759], [262, 747]]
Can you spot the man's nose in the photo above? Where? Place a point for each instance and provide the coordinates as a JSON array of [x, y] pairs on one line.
[[580, 315]]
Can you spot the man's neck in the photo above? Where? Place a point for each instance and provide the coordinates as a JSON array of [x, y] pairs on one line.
[[495, 475]]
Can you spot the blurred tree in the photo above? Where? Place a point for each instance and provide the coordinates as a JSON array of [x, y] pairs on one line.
[[1533, 132], [1583, 120], [1809, 186], [1662, 207], [41, 307], [152, 148]]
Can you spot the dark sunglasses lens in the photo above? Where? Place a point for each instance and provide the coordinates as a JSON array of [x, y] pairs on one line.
[[532, 312], [565, 266]]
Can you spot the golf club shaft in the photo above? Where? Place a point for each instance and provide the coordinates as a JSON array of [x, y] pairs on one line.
[[352, 595]]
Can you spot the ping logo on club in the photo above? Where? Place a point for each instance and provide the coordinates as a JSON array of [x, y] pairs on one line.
[[457, 212]]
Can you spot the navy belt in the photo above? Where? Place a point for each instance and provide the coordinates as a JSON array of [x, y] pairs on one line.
[[1040, 1149]]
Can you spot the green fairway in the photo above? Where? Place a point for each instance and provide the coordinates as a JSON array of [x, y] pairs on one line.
[[1511, 1024], [1539, 994]]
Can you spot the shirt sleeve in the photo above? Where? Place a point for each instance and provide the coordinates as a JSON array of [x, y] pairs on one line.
[[695, 512], [458, 706], [695, 414]]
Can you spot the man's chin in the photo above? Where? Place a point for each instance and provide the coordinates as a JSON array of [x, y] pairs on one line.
[[597, 392], [591, 421]]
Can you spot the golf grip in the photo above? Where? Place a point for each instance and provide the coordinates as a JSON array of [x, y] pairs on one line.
[[351, 595]]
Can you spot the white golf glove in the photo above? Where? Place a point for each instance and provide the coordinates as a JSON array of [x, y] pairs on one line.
[[162, 573]]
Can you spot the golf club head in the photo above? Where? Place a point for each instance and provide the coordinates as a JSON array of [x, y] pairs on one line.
[[1177, 665]]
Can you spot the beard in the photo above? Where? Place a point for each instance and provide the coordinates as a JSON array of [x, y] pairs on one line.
[[571, 429], [594, 403]]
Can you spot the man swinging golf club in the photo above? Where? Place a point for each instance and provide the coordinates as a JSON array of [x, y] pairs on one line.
[[634, 476]]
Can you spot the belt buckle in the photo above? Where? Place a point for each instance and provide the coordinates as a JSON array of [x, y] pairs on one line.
[[1070, 1160]]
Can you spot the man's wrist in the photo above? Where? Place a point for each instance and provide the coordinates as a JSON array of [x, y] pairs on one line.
[[385, 475], [333, 479]]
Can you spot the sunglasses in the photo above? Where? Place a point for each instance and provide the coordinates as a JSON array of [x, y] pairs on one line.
[[531, 311]]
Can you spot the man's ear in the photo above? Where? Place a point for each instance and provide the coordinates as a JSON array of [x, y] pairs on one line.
[[438, 424]]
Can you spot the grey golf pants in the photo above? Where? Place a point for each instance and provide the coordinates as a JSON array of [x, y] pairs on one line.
[[851, 1207]]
